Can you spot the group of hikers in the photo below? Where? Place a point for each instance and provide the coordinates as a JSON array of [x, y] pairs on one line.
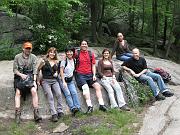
[[58, 76]]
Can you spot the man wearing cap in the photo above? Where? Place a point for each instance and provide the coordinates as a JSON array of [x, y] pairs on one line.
[[24, 63]]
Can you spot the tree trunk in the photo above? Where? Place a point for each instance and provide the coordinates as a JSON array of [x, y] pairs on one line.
[[165, 26], [131, 19], [101, 16], [94, 13], [155, 25], [176, 30], [142, 28]]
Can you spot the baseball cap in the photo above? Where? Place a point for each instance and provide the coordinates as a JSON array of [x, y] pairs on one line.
[[27, 45]]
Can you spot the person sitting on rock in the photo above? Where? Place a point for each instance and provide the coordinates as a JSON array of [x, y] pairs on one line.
[[138, 68], [24, 67], [50, 84], [86, 75], [67, 83], [109, 82], [121, 48]]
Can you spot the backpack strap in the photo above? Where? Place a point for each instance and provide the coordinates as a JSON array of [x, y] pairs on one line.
[[77, 58], [59, 65]]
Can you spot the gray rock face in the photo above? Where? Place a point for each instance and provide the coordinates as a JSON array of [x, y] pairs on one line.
[[118, 26], [14, 29], [7, 90]]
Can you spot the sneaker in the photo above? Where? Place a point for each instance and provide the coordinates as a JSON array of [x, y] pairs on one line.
[[74, 111], [159, 97], [54, 118], [103, 108], [168, 94], [125, 108], [60, 115], [90, 110]]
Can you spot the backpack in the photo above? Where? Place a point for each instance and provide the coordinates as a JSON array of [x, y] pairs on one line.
[[164, 74], [66, 62]]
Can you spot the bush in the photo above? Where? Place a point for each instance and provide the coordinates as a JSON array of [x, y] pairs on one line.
[[143, 91], [9, 53], [44, 38]]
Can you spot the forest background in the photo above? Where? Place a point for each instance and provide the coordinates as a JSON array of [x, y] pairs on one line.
[[151, 25]]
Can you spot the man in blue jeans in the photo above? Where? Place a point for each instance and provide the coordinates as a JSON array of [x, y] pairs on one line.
[[138, 68]]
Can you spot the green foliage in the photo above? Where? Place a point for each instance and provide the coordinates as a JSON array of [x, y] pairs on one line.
[[8, 53], [28, 128], [143, 91], [112, 122]]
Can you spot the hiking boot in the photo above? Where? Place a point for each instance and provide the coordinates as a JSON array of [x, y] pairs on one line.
[[89, 110], [159, 97], [103, 108], [54, 118], [125, 108], [168, 94], [37, 117], [17, 116], [60, 115], [74, 111]]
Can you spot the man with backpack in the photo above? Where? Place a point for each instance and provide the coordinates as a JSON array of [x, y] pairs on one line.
[[138, 68], [24, 67], [86, 76]]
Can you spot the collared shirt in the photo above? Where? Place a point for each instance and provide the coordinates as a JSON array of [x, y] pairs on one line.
[[29, 63]]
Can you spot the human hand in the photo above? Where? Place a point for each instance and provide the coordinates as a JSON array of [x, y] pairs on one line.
[[23, 76], [55, 74], [94, 78], [64, 84]]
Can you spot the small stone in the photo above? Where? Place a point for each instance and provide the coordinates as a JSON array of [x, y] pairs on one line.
[[60, 128]]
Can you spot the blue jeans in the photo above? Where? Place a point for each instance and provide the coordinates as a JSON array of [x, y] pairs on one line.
[[124, 56], [71, 95], [150, 77]]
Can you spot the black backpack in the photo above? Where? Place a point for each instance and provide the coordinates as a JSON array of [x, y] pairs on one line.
[[66, 62]]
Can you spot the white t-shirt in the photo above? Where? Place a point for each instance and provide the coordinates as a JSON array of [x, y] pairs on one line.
[[69, 69]]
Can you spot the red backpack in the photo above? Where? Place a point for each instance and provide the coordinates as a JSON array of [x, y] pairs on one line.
[[164, 74]]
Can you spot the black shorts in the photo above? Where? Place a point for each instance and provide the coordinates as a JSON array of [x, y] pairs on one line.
[[24, 91], [82, 79]]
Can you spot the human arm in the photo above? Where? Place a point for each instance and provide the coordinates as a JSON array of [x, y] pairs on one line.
[[41, 64], [100, 69], [16, 68], [62, 76], [62, 66], [129, 70]]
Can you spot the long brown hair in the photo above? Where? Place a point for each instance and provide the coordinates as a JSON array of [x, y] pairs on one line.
[[106, 50], [52, 49]]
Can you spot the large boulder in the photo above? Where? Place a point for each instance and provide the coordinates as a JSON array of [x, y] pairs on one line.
[[117, 26], [7, 96], [14, 28], [7, 90]]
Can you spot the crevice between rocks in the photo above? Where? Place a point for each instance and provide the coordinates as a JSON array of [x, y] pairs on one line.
[[169, 120]]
